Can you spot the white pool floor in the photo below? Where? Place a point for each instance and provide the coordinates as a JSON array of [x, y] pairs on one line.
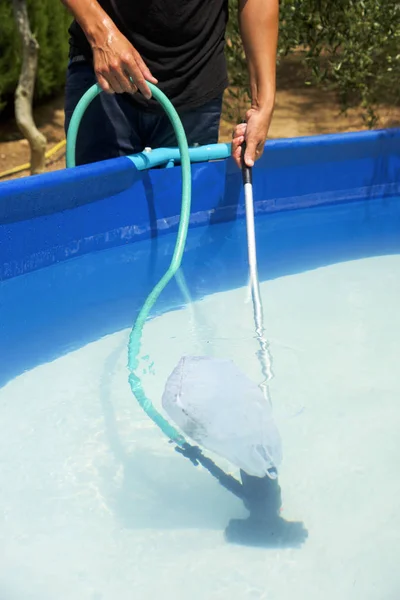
[[96, 505]]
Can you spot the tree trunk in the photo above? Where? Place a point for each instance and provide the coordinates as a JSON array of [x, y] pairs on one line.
[[26, 86]]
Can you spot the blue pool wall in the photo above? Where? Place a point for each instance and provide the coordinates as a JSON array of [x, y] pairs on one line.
[[59, 216]]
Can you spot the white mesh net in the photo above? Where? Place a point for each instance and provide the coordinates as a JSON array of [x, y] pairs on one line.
[[222, 410]]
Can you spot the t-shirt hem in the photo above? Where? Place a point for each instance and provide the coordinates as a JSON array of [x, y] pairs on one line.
[[154, 106]]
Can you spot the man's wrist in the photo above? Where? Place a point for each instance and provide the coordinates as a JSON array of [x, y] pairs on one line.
[[262, 95], [264, 105], [99, 30]]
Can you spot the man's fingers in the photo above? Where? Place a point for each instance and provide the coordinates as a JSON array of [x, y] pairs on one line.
[[236, 150], [117, 76], [115, 80], [145, 70], [129, 85], [103, 83], [136, 77], [250, 154], [237, 156], [237, 141], [139, 81], [123, 81], [137, 72], [237, 153], [238, 137], [259, 150], [239, 130], [253, 152], [120, 77], [107, 79]]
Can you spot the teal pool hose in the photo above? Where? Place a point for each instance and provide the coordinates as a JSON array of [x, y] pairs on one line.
[[137, 330]]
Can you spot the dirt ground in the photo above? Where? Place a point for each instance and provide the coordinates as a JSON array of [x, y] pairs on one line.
[[300, 110]]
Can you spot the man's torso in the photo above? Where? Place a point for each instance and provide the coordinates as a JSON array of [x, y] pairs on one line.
[[181, 41]]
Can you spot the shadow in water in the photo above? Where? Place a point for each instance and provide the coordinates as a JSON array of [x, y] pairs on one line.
[[274, 533], [158, 491], [264, 527], [165, 492]]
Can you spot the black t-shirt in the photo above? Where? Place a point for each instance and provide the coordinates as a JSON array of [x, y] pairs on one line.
[[181, 41]]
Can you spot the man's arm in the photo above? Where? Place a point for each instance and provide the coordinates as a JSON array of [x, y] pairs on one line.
[[115, 60], [259, 26]]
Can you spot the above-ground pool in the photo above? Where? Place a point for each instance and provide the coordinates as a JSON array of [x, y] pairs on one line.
[[95, 504]]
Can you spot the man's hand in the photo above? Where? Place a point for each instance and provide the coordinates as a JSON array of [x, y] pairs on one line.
[[119, 67], [254, 132]]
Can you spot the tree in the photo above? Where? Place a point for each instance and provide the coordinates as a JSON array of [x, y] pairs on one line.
[[352, 46], [49, 21], [25, 88]]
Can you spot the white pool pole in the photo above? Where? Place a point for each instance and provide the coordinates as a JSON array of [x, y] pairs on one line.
[[263, 354]]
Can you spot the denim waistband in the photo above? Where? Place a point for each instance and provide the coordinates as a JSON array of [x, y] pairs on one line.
[[78, 58]]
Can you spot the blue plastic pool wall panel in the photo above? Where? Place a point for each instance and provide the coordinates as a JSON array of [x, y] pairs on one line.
[[60, 215], [51, 218]]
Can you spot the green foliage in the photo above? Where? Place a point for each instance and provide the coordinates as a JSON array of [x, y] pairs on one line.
[[350, 45], [49, 22], [9, 67]]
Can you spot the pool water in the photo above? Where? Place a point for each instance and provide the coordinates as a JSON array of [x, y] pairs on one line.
[[97, 505]]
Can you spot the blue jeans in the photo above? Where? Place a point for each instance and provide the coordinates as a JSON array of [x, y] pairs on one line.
[[112, 126]]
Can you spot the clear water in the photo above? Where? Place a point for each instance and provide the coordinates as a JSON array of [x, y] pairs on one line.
[[96, 505]]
